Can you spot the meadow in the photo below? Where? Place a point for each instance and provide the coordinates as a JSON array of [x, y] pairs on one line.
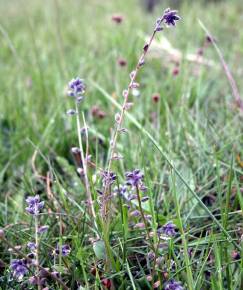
[[119, 171]]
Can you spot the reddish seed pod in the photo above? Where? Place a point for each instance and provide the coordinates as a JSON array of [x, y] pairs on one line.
[[117, 18], [156, 285], [235, 255], [156, 97], [106, 283], [101, 114], [149, 278], [175, 71], [122, 62], [145, 48], [93, 271], [1, 233], [209, 39]]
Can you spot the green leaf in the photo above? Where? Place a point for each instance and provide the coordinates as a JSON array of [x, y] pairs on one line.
[[99, 249]]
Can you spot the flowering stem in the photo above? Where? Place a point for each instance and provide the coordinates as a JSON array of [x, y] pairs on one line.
[[155, 258], [84, 162], [37, 252], [143, 217], [119, 122]]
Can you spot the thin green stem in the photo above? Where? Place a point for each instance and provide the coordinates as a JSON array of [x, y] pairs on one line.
[[37, 253], [143, 217], [84, 162]]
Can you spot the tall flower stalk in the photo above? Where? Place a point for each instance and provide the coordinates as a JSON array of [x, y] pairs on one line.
[[76, 90], [34, 207], [168, 18]]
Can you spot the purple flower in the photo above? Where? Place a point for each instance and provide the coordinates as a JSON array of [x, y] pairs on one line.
[[132, 196], [134, 178], [34, 204], [108, 177], [19, 269], [135, 213], [144, 199], [170, 17], [71, 112], [31, 246], [168, 229], [121, 190], [173, 285], [43, 229], [76, 88], [65, 250], [33, 280]]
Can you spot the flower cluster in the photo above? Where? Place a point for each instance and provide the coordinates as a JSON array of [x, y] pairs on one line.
[[168, 229], [76, 88], [65, 250], [19, 268], [108, 177], [134, 178], [169, 18], [173, 285], [34, 205]]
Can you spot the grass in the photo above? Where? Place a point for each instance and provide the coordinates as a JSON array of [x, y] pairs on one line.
[[189, 144]]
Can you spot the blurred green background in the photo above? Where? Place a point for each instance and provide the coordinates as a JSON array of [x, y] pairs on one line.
[[46, 43]]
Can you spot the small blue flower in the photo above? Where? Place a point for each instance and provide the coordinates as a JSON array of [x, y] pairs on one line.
[[170, 17], [19, 269], [34, 204]]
